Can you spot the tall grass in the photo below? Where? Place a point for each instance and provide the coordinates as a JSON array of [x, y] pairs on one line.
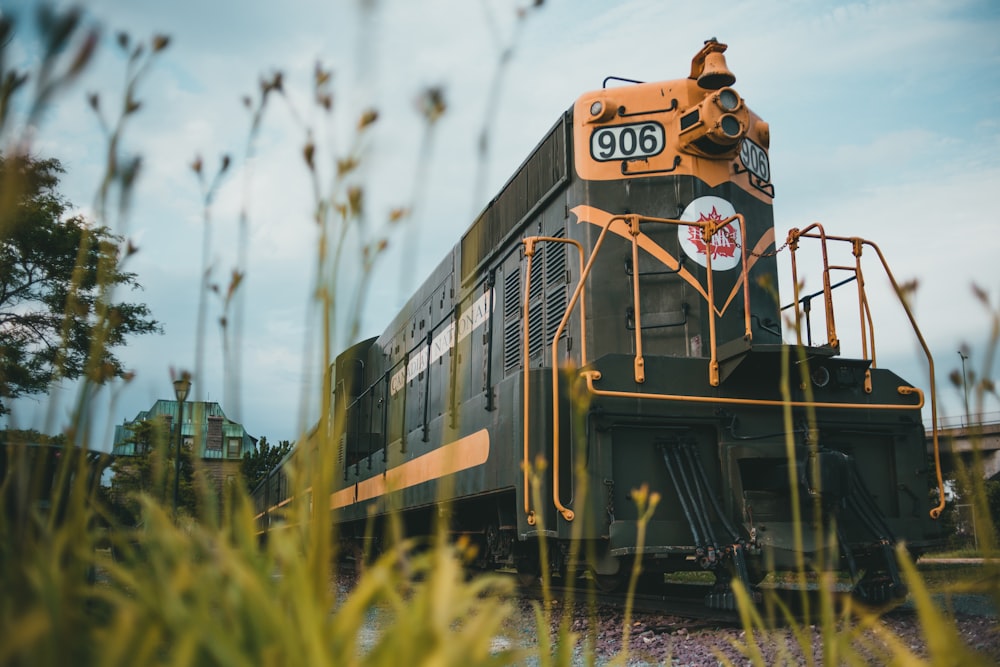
[[850, 632], [81, 588], [78, 587]]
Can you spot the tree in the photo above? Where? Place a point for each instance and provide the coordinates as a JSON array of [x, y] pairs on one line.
[[150, 471], [263, 459], [992, 489], [58, 274]]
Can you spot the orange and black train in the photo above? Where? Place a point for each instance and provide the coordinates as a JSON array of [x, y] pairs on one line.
[[611, 322]]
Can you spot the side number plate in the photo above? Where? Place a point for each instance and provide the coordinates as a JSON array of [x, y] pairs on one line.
[[754, 158]]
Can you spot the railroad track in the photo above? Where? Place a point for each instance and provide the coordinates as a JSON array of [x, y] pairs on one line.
[[688, 600]]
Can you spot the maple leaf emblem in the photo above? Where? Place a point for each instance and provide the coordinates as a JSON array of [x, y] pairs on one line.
[[723, 244]]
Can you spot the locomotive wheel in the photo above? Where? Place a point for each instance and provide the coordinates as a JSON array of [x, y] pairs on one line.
[[527, 577], [610, 583], [527, 571], [756, 572]]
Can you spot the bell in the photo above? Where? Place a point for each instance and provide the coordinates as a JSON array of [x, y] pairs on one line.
[[715, 74]]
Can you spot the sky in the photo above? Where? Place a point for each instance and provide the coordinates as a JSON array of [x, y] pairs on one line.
[[884, 124]]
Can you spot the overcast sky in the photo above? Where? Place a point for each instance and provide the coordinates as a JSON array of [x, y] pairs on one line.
[[884, 124]]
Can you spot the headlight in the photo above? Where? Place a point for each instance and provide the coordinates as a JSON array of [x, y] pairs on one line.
[[730, 126], [714, 126], [728, 99]]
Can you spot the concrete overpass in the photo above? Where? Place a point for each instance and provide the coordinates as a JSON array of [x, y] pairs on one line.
[[960, 442]]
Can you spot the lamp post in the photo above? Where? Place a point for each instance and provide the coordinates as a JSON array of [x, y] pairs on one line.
[[965, 386], [181, 388]]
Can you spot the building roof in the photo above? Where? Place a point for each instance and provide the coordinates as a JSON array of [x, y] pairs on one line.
[[197, 419]]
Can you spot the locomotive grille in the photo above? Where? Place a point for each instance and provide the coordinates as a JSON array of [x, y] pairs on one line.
[[555, 285], [511, 295], [547, 301], [512, 320], [556, 310], [511, 346], [537, 179], [537, 272], [536, 336], [555, 260]]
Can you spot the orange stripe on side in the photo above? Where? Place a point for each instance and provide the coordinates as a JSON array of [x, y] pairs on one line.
[[462, 454], [342, 498]]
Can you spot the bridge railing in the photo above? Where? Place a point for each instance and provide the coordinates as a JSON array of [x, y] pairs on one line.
[[963, 421]]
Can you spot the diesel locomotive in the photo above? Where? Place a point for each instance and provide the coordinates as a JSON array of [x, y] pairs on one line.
[[611, 322]]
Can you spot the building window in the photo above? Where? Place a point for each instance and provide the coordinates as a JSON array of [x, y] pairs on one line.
[[234, 447], [214, 439]]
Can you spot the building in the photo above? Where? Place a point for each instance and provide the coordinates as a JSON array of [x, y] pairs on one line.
[[218, 442]]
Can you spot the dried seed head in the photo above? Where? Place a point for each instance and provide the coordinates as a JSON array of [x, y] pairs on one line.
[[84, 54], [981, 294], [431, 103], [367, 118], [308, 151], [346, 165], [160, 42], [355, 199]]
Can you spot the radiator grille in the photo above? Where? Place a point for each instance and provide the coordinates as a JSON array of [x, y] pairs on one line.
[[538, 178]]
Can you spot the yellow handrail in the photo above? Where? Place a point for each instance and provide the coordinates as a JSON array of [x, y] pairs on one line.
[[709, 229], [903, 390], [529, 252], [857, 245], [639, 365]]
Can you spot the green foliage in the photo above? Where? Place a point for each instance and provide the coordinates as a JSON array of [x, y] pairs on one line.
[[150, 471], [976, 503], [30, 436], [56, 279], [856, 635], [992, 493], [261, 460], [60, 319], [195, 590], [49, 530]]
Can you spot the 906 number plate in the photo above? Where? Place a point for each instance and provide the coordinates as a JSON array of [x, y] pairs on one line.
[[623, 142], [754, 158]]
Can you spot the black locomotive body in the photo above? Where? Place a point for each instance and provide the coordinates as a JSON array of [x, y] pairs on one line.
[[611, 322]]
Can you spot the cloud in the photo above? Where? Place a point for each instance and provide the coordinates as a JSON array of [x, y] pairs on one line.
[[882, 116]]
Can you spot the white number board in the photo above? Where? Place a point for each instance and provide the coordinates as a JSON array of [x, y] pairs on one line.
[[754, 158], [622, 142]]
